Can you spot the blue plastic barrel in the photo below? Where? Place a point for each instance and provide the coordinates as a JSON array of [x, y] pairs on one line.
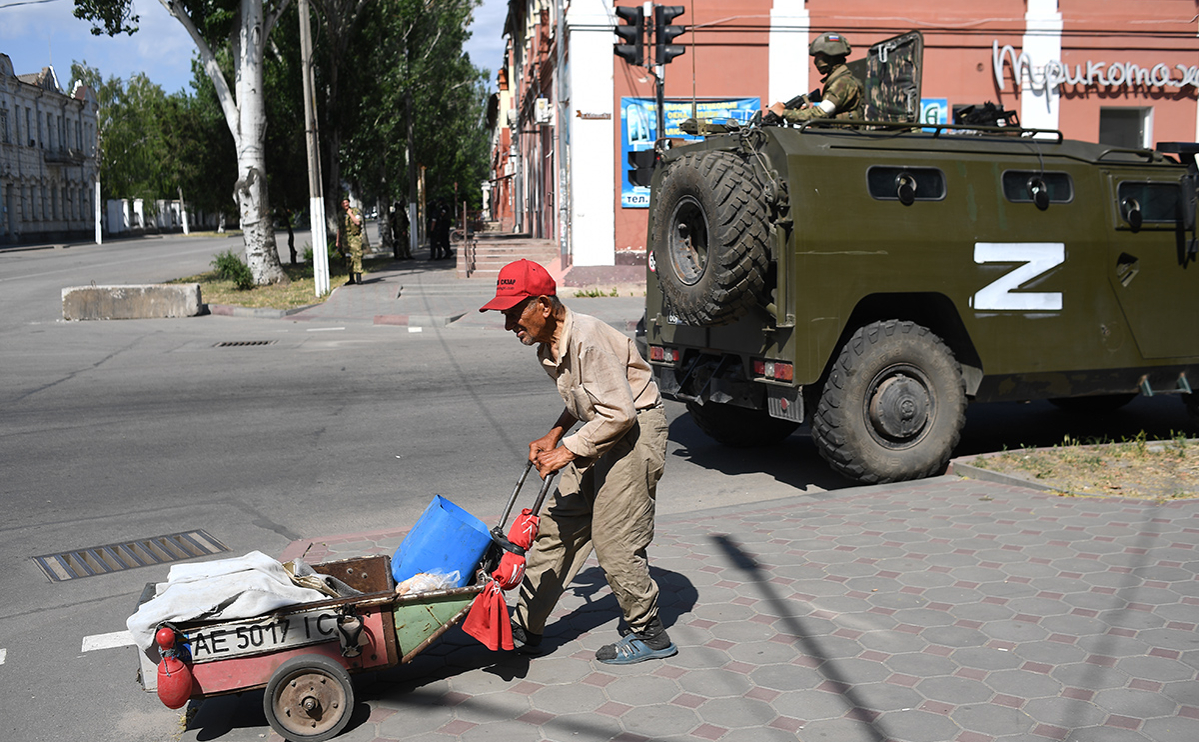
[[445, 539]]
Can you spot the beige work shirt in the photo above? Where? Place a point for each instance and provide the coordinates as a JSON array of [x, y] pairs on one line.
[[603, 380]]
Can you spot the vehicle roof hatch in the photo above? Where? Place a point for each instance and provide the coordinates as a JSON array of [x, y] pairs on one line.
[[891, 72]]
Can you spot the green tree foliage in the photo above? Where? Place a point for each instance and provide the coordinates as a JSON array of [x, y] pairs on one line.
[[382, 67], [243, 28], [153, 145], [407, 56]]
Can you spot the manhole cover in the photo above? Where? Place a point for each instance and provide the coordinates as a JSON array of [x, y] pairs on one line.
[[99, 560], [243, 343]]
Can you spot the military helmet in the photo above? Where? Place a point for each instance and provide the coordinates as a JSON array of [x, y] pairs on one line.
[[830, 43]]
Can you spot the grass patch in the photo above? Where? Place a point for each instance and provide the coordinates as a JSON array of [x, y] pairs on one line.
[[1136, 467], [298, 291]]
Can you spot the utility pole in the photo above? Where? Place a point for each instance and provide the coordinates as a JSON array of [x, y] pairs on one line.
[[316, 201]]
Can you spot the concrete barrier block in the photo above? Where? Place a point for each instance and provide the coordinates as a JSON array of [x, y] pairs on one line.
[[147, 301]]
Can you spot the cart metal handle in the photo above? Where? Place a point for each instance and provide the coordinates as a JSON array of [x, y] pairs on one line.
[[497, 533]]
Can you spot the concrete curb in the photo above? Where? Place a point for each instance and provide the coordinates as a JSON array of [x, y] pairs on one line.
[[961, 468], [233, 310], [417, 320]]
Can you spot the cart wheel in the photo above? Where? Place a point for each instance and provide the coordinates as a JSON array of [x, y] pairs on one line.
[[309, 699]]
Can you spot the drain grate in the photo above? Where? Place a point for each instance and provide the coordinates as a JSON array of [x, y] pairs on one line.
[[99, 560], [243, 343]]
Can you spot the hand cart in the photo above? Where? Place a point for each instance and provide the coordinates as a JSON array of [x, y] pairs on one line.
[[303, 655]]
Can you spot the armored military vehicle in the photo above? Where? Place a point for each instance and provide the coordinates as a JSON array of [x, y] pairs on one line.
[[875, 277]]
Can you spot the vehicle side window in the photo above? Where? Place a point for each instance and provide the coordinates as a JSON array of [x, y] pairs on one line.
[[905, 184], [1020, 186], [1158, 202]]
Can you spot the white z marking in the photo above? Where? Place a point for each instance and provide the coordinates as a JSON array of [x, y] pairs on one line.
[[1038, 258]]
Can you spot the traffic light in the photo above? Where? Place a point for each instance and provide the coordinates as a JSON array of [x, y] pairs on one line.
[[664, 33], [630, 47]]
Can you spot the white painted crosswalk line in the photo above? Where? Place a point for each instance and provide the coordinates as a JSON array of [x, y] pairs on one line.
[[107, 641]]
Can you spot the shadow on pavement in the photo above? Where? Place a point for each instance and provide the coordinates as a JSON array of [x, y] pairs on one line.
[[793, 625], [793, 461]]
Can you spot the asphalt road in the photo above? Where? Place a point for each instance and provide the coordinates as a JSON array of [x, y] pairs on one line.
[[112, 431]]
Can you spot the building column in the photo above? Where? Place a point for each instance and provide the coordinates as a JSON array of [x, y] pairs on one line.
[[790, 26], [593, 173], [1042, 41]]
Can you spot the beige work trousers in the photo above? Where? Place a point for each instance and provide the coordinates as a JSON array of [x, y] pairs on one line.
[[609, 507]]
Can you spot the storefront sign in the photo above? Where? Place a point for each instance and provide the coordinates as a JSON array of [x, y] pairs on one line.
[[639, 124], [1054, 72]]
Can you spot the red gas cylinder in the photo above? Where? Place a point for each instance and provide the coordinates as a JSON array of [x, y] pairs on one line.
[[174, 677]]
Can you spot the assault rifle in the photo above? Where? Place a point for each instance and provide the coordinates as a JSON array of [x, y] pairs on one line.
[[799, 101], [988, 114]]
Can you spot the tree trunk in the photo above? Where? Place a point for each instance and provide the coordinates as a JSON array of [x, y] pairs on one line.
[[250, 192], [246, 117]]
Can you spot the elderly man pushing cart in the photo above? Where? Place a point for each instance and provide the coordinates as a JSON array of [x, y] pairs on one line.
[[610, 466]]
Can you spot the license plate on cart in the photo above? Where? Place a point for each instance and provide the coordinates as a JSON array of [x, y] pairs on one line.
[[262, 635]]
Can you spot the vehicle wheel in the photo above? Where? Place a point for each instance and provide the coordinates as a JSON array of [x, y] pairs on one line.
[[739, 427], [710, 238], [1095, 405], [893, 406], [309, 698]]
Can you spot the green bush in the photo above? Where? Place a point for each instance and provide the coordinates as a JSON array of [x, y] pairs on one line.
[[229, 266], [307, 253]]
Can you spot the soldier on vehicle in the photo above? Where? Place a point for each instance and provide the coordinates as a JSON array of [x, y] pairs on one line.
[[843, 94]]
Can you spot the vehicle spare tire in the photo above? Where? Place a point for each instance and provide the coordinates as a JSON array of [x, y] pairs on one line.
[[710, 234]]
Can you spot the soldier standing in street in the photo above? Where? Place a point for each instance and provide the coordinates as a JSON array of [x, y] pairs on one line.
[[843, 94], [351, 243]]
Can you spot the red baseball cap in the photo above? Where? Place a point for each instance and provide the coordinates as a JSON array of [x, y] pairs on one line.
[[518, 281]]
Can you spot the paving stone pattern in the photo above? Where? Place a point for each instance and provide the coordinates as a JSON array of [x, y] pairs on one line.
[[947, 609]]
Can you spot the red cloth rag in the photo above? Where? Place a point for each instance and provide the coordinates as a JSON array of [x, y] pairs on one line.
[[488, 619], [512, 566]]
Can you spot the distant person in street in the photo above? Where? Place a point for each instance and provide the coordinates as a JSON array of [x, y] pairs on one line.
[[349, 240], [399, 232], [439, 233], [610, 467], [843, 94]]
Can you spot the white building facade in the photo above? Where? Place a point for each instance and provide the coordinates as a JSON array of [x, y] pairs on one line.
[[48, 167]]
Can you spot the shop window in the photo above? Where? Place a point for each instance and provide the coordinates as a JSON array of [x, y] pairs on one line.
[[1023, 186], [905, 184], [1130, 128]]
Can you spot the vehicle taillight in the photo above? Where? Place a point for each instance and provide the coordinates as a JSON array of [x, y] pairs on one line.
[[665, 355], [777, 370]]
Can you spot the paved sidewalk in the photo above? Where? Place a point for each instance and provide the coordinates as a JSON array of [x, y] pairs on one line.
[[946, 609], [423, 293]]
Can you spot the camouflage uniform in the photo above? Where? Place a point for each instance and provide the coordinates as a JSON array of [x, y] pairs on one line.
[[352, 239], [842, 89]]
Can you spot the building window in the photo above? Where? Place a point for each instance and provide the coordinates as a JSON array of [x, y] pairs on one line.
[[4, 126], [1129, 128], [29, 125]]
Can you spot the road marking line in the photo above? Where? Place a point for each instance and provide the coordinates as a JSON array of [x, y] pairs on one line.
[[107, 641], [3, 654], [416, 329], [325, 329]]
